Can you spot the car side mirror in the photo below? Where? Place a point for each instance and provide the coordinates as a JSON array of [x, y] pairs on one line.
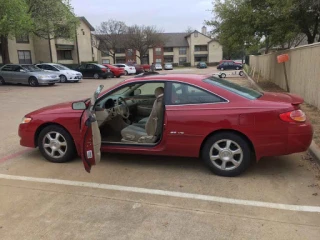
[[79, 106], [137, 92]]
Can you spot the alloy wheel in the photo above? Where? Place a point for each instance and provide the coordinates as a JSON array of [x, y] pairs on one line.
[[96, 76], [63, 79], [226, 154], [55, 144]]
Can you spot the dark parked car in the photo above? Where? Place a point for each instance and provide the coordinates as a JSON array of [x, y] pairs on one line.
[[201, 65], [94, 70], [229, 66]]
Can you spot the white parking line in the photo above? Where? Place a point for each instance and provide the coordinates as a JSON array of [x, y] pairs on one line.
[[298, 208]]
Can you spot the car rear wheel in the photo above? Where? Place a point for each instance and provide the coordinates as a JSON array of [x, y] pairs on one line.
[[241, 73], [56, 144], [63, 79], [33, 82], [226, 154], [223, 75], [221, 69], [126, 73], [2, 82], [237, 68], [111, 75], [96, 76]]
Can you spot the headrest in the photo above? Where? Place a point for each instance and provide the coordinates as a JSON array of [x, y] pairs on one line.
[[159, 91]]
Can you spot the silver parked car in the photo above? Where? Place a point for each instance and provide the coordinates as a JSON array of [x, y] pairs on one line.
[[27, 74], [168, 66], [158, 66]]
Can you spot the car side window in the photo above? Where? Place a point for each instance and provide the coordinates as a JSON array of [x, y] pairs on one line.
[[7, 69], [187, 94], [90, 66], [149, 88]]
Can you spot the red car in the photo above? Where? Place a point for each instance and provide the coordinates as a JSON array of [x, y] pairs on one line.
[[146, 67], [116, 71], [225, 124]]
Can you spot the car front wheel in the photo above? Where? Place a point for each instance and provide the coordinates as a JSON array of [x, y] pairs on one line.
[[96, 76], [33, 82], [227, 154], [56, 144]]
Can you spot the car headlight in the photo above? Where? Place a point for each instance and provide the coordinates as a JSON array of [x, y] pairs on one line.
[[26, 120]]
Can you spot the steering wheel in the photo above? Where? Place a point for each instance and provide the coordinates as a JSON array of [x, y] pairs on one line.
[[122, 108]]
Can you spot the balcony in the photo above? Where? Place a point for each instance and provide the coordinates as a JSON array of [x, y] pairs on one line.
[[63, 41]]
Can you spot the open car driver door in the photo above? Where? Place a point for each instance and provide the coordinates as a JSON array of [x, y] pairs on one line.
[[90, 135]]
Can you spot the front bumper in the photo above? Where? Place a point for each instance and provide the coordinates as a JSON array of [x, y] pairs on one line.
[[74, 78], [26, 134], [46, 81]]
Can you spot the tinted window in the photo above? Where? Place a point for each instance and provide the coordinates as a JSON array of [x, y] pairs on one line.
[[7, 68], [187, 94], [90, 66], [235, 88]]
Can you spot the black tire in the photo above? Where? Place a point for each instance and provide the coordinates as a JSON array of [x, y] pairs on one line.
[[70, 147], [118, 76], [51, 84], [63, 79], [241, 73], [126, 73], [238, 142], [111, 75], [96, 76], [33, 82], [223, 75], [2, 82]]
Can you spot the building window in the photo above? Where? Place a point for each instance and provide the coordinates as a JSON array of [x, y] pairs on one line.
[[120, 50], [168, 49], [158, 51], [24, 57], [183, 51], [168, 59], [105, 61], [105, 53], [201, 59], [130, 52], [158, 60], [22, 39], [120, 60], [64, 54], [182, 60], [199, 48]]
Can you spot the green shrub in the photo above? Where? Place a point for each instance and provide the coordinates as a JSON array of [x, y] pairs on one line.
[[187, 64]]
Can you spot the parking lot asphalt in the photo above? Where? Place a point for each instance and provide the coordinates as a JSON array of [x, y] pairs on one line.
[[119, 199]]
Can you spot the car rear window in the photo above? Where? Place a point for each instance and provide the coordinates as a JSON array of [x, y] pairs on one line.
[[235, 88]]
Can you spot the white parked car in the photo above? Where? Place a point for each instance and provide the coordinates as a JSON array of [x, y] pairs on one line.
[[168, 66], [65, 74], [127, 69], [158, 66]]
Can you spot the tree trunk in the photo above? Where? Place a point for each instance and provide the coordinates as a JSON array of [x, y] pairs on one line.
[[5, 49], [267, 45], [114, 58]]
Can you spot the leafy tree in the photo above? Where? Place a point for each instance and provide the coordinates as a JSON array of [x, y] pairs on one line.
[[14, 20], [111, 36]]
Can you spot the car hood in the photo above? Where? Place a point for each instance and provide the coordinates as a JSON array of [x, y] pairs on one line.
[[60, 108], [282, 97]]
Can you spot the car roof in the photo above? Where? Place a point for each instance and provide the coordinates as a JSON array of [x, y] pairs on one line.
[[191, 78]]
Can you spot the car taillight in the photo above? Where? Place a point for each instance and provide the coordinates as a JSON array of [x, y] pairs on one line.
[[293, 116]]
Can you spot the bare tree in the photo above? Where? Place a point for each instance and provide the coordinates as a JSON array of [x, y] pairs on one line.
[[189, 30], [110, 36], [141, 38]]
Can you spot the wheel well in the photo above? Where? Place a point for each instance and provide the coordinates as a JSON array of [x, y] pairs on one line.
[[32, 77], [41, 127], [231, 131]]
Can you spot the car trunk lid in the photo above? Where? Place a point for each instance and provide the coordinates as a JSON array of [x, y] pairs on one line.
[[293, 99]]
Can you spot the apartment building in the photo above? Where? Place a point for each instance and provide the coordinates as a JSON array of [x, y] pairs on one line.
[[179, 48], [32, 49]]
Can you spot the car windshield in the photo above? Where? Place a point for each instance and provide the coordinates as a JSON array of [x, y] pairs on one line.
[[235, 88], [32, 68], [61, 67]]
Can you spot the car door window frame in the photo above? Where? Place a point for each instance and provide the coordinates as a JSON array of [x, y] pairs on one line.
[[168, 95]]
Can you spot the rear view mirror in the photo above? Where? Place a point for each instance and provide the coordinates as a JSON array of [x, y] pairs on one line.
[[79, 106], [137, 92]]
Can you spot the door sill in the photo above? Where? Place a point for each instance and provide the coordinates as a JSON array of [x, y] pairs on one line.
[[147, 145]]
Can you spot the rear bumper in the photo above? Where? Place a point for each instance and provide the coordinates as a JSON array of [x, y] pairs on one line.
[[299, 138]]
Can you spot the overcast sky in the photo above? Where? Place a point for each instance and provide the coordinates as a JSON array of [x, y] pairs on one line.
[[169, 15]]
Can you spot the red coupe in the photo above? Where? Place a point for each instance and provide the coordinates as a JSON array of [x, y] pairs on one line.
[[116, 71], [225, 124]]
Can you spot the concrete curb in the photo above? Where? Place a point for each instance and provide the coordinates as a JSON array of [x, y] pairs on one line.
[[314, 150]]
